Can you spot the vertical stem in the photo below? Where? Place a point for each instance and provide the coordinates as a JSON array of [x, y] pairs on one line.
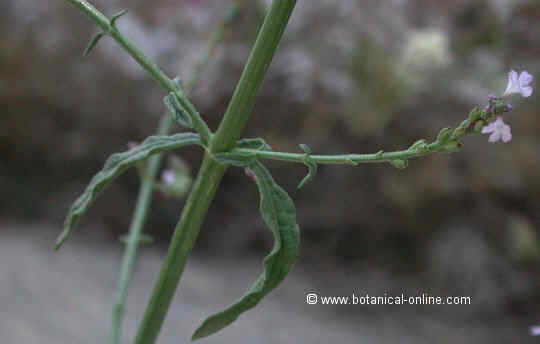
[[244, 96], [211, 172], [183, 240], [137, 224], [144, 199]]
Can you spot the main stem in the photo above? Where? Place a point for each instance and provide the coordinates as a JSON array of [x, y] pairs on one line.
[[146, 189], [211, 172]]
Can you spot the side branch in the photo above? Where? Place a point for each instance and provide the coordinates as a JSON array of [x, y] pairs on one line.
[[109, 28], [344, 159]]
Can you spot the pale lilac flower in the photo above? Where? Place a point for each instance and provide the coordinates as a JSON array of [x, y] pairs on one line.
[[168, 177], [534, 330], [519, 83], [498, 130]]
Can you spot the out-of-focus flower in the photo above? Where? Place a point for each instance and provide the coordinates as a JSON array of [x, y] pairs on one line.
[[519, 84], [168, 177], [426, 49], [176, 179], [249, 173], [498, 130], [534, 330]]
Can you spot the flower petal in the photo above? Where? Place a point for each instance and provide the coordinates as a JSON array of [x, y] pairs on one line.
[[506, 134], [525, 79], [494, 137], [526, 91], [513, 83], [488, 128]]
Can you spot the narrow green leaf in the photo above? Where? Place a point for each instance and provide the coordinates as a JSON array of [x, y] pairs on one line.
[[115, 166], [278, 212], [175, 109], [312, 173], [117, 16], [311, 165], [93, 42]]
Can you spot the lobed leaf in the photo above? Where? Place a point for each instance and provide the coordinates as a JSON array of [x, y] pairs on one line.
[[279, 213], [115, 166]]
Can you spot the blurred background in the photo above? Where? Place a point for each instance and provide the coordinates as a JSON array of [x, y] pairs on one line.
[[351, 76]]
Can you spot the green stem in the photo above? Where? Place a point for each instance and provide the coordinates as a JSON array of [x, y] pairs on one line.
[[211, 172], [157, 74], [345, 159], [183, 240], [137, 224], [243, 99], [144, 199]]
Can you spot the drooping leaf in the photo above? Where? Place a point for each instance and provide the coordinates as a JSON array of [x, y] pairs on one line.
[[278, 212], [176, 110], [115, 166]]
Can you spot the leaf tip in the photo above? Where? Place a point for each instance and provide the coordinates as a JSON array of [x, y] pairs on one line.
[[61, 240], [92, 44], [117, 16]]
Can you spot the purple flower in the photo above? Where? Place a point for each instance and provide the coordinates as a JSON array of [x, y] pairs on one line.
[[168, 177], [534, 330], [498, 130], [519, 84]]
